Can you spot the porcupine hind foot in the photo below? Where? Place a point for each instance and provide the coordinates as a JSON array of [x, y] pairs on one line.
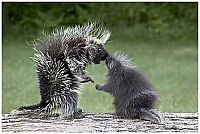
[[79, 114], [152, 116]]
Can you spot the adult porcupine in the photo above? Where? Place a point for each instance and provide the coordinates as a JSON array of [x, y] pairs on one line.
[[134, 95], [61, 58]]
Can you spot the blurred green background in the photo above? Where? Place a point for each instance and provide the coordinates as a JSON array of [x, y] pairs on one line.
[[160, 38]]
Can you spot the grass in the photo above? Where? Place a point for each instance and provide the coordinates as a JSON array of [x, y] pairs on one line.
[[171, 66]]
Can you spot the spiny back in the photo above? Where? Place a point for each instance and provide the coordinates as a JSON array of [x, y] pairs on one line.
[[72, 37], [123, 60], [69, 41], [135, 78]]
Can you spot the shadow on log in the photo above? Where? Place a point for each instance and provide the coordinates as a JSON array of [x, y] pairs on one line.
[[99, 122]]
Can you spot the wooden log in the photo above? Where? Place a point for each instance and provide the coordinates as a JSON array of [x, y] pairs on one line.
[[99, 122]]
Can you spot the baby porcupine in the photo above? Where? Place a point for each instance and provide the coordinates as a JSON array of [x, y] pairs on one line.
[[134, 96], [61, 58]]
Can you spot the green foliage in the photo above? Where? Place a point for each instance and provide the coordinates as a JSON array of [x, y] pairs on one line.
[[152, 18]]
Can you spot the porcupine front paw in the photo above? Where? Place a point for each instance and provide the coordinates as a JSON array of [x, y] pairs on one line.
[[79, 114], [87, 79], [90, 79]]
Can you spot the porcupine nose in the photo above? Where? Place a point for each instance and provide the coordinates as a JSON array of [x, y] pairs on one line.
[[107, 59], [105, 55]]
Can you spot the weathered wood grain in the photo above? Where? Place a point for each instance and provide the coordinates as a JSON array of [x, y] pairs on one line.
[[99, 122]]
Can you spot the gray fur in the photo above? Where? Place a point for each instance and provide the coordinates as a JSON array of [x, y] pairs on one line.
[[134, 96]]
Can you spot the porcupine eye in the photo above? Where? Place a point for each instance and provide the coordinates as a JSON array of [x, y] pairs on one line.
[[99, 49]]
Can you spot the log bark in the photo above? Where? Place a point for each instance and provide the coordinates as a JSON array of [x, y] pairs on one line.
[[99, 122]]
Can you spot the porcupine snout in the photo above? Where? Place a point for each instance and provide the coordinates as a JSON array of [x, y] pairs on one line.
[[104, 55]]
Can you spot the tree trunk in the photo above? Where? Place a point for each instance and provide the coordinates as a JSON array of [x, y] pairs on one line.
[[99, 122]]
